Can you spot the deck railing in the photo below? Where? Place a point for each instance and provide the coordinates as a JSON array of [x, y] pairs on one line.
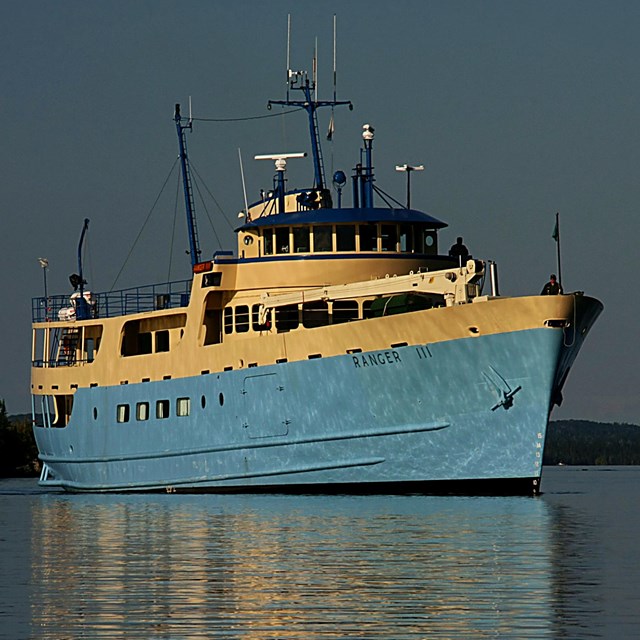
[[167, 295]]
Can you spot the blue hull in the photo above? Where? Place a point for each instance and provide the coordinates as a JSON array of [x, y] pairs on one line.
[[472, 410]]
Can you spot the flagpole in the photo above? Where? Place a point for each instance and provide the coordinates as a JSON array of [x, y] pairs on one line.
[[556, 236]]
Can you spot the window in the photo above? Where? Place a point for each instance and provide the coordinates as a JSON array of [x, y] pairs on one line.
[[144, 342], [345, 311], [162, 409], [425, 240], [255, 319], [406, 243], [228, 319], [122, 413], [322, 239], [287, 317], [162, 340], [366, 309], [183, 407], [315, 314], [89, 348], [301, 242], [242, 318], [211, 279], [345, 237], [267, 234], [282, 240], [388, 237], [368, 237], [142, 411]]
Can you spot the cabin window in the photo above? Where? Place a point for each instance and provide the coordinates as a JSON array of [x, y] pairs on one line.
[[345, 311], [267, 235], [388, 237], [242, 318], [144, 342], [287, 317], [368, 237], [89, 349], [122, 413], [183, 407], [255, 319], [366, 309], [301, 241], [315, 314], [162, 340], [211, 279], [345, 237], [228, 319], [162, 409], [282, 240], [322, 238], [142, 411], [139, 337]]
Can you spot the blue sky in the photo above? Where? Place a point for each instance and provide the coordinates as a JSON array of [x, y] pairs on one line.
[[516, 109]]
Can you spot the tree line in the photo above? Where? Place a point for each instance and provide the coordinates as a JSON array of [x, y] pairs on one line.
[[592, 443], [18, 451], [577, 442]]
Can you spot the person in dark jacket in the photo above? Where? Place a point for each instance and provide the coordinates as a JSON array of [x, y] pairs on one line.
[[552, 288], [458, 250]]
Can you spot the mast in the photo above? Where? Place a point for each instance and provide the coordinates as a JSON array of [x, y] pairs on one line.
[[85, 226], [194, 245], [299, 80]]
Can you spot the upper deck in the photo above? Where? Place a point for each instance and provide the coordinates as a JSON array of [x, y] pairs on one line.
[[111, 304]]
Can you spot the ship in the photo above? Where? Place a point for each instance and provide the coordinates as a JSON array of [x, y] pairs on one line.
[[338, 349]]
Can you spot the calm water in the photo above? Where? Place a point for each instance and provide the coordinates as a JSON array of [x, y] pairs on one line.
[[564, 565]]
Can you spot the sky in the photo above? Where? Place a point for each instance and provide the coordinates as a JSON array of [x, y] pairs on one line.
[[517, 110]]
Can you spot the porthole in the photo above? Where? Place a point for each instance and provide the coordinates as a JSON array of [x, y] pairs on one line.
[[95, 413], [221, 398], [203, 402]]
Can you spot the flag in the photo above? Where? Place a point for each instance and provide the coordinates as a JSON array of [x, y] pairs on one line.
[[556, 231], [332, 128]]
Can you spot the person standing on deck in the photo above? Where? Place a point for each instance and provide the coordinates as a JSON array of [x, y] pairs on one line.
[[552, 288]]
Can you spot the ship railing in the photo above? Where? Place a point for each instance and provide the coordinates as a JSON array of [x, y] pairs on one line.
[[153, 297]]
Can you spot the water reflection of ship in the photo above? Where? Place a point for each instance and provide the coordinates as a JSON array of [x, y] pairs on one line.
[[291, 567]]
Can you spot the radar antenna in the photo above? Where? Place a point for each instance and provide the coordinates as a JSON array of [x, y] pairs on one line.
[[299, 80]]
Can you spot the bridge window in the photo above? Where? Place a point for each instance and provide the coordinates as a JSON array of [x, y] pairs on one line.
[[267, 235], [301, 242], [406, 238], [425, 240], [322, 238], [388, 237], [368, 237], [282, 240], [345, 237]]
